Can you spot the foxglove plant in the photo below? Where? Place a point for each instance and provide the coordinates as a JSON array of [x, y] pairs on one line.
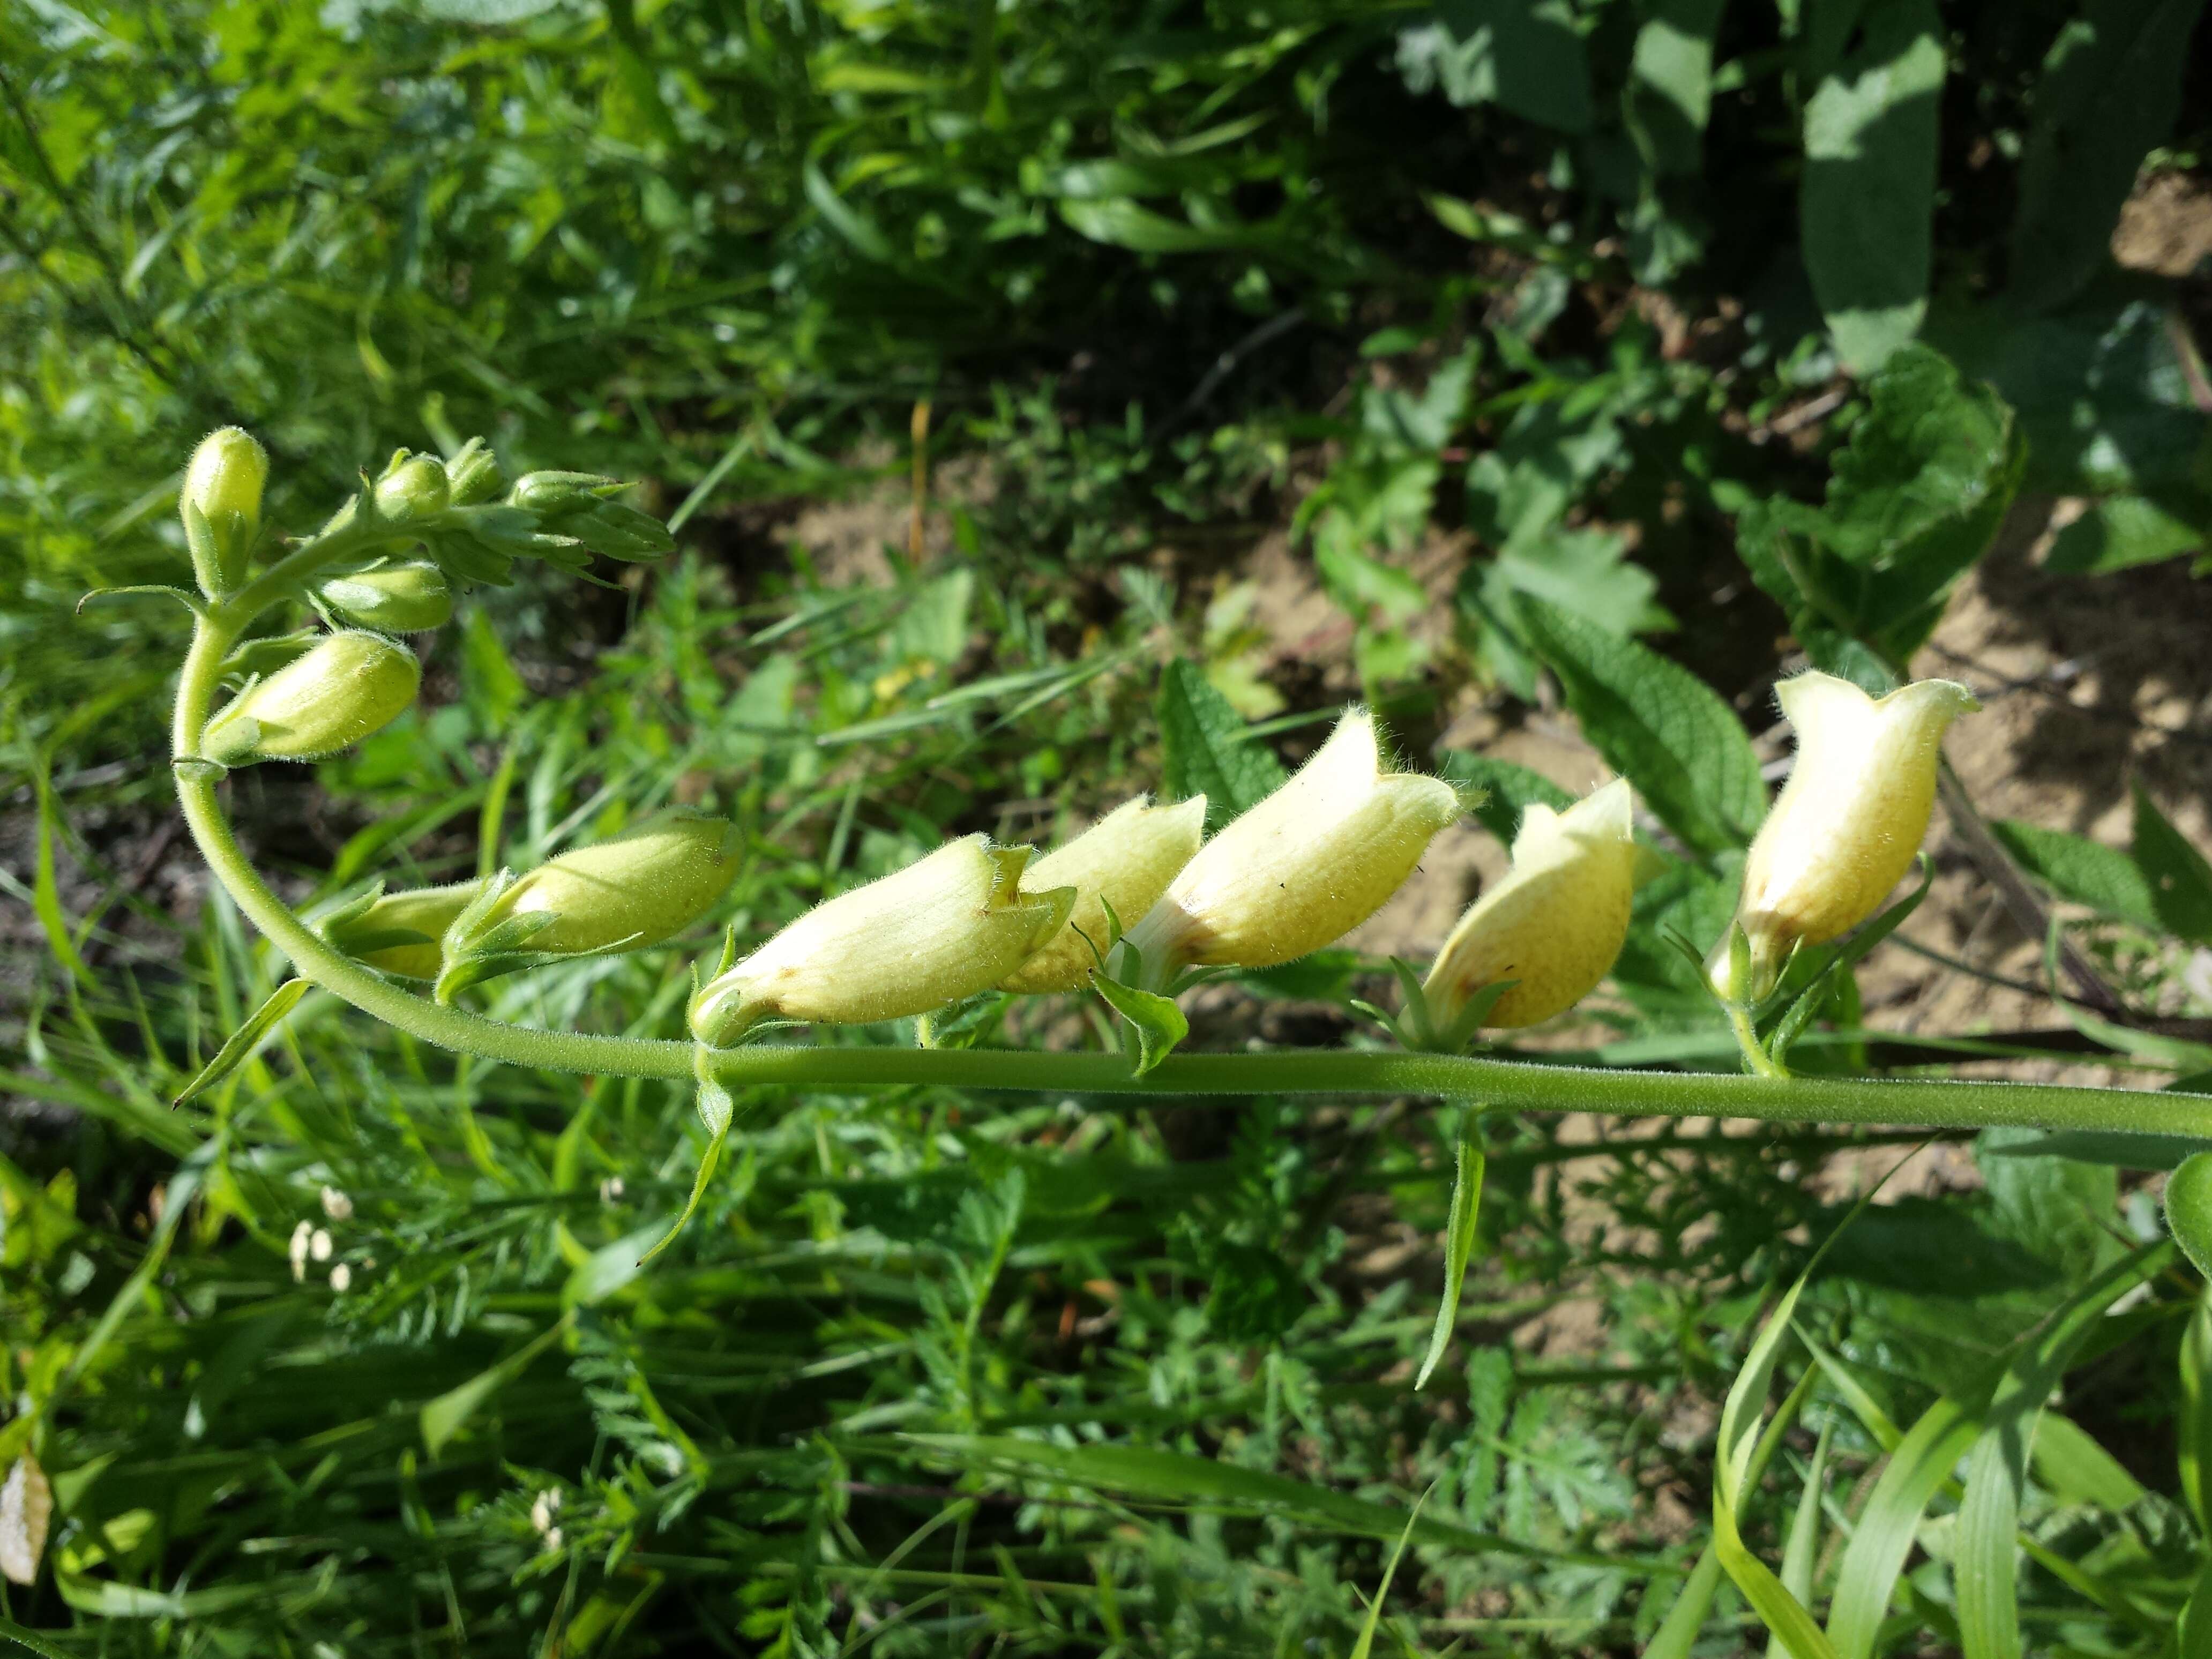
[[1287, 877]]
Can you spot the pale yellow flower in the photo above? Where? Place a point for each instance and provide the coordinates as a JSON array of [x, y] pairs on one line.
[[1556, 921], [1304, 868], [1125, 861], [1846, 826]]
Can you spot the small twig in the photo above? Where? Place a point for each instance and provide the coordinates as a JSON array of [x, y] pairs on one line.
[[1226, 365]]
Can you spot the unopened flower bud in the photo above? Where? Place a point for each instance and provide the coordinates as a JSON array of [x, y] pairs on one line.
[[1124, 861], [471, 474], [398, 933], [631, 891], [346, 687], [947, 927], [1304, 868], [408, 596], [578, 506], [1847, 825], [1553, 925], [223, 490], [412, 488]]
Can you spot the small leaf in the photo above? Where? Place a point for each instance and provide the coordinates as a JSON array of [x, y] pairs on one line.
[[1206, 749], [191, 601], [1159, 1024], [1508, 790], [1459, 1242], [718, 1109], [1869, 196], [2122, 531], [2181, 880], [241, 1043], [2085, 872], [26, 1505], [442, 1419]]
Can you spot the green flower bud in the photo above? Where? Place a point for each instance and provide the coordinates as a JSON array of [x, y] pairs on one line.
[[621, 894], [946, 926], [575, 505], [405, 596], [222, 492], [412, 488], [472, 474], [346, 688], [636, 889], [399, 932]]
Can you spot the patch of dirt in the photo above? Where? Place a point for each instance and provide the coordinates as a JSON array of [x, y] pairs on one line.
[[2166, 227]]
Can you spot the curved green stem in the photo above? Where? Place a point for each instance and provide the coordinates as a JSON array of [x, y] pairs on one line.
[[1510, 1085]]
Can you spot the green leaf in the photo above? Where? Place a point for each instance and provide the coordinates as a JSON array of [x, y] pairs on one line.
[[494, 690], [1459, 1242], [2074, 1469], [1158, 1023], [2110, 89], [2122, 531], [241, 1043], [2181, 880], [859, 232], [1524, 55], [1122, 223], [2082, 871], [1508, 790], [2101, 389], [932, 622], [717, 1110], [1206, 749], [1657, 724], [1867, 200], [46, 886], [443, 1418], [1677, 1635], [1982, 1570], [1365, 1646], [1670, 82], [1178, 1478], [2189, 1210], [2193, 1423]]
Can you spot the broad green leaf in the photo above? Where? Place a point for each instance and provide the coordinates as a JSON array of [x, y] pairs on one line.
[[238, 1047], [443, 1418], [2122, 531], [1983, 1573], [2101, 388], [2074, 1469], [1121, 223], [1459, 1242], [933, 623], [1507, 790], [1918, 1467], [1867, 203], [2060, 1209], [1657, 724], [2189, 1210], [2081, 870], [1670, 82], [1526, 56], [1206, 749], [2181, 880], [1158, 1023], [2109, 91]]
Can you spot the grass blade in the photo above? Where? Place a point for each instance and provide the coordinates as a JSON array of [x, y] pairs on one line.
[[1459, 1244]]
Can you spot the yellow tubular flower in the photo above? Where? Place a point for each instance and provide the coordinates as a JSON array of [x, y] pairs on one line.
[[347, 686], [630, 891], [1554, 924], [1304, 868], [399, 933], [1847, 825], [947, 927], [1126, 860]]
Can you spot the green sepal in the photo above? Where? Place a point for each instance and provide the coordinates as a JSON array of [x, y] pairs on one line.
[[476, 948], [718, 1109], [1158, 1023], [256, 658], [207, 557], [1459, 1240], [1415, 1027], [241, 1043], [1843, 958]]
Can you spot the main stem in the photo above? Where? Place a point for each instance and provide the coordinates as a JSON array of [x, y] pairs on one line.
[[1496, 1083]]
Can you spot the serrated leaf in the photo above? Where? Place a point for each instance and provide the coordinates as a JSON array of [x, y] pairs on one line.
[[1205, 748], [2122, 531], [1459, 1243], [1158, 1023], [1867, 202], [1658, 725], [2109, 90], [2085, 872], [238, 1047], [2181, 880], [1670, 85], [1528, 58]]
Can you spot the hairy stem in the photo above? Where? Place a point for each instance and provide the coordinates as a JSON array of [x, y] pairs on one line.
[[1499, 1084]]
